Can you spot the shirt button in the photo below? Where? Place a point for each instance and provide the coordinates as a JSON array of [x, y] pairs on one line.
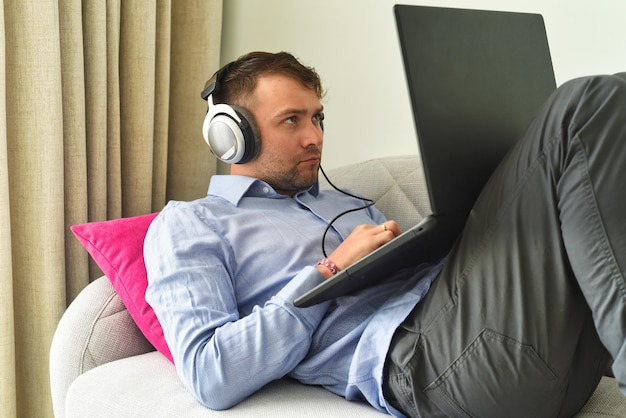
[[266, 190]]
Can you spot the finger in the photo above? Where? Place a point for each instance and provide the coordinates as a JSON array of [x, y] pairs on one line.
[[391, 226]]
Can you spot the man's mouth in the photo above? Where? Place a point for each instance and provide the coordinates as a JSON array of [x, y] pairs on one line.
[[312, 159]]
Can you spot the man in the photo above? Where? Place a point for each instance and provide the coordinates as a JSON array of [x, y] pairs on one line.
[[535, 278]]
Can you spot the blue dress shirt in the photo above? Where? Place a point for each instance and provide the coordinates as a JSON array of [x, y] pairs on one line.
[[223, 272]]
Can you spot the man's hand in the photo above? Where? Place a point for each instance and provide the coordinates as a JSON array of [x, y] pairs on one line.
[[362, 241]]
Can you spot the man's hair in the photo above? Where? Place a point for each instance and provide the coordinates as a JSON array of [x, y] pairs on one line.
[[239, 79]]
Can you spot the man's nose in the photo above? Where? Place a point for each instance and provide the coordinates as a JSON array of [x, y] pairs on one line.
[[314, 133]]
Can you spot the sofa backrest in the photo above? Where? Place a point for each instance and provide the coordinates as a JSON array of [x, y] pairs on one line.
[[396, 184]]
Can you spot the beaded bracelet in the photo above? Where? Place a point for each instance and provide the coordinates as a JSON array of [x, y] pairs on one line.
[[329, 265]]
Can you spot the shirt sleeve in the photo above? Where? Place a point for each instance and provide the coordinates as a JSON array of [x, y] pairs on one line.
[[220, 356]]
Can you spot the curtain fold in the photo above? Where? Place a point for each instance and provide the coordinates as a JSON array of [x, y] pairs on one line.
[[100, 117], [137, 105], [188, 158], [7, 329], [74, 144]]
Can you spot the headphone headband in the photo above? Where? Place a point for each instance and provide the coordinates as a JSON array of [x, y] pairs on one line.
[[212, 85]]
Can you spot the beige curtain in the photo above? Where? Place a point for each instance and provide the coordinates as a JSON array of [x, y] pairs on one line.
[[100, 115]]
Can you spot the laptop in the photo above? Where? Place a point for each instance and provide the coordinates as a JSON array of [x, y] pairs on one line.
[[476, 78]]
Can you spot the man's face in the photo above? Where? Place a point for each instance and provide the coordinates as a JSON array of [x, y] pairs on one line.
[[288, 116]]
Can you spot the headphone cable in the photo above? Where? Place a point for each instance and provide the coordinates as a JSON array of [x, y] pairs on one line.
[[330, 224]]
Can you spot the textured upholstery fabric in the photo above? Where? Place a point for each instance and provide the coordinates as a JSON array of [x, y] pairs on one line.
[[102, 366], [396, 184], [147, 385], [95, 329], [606, 401]]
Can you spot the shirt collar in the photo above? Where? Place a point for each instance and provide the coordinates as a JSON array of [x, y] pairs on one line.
[[234, 187]]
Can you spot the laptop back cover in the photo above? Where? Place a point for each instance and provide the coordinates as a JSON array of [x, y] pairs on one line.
[[476, 78]]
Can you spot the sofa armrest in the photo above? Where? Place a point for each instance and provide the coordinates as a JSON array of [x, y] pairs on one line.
[[95, 329]]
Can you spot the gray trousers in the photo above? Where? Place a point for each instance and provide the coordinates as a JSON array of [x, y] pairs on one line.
[[519, 322]]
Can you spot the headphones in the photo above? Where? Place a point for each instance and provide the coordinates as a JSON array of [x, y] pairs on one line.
[[230, 131]]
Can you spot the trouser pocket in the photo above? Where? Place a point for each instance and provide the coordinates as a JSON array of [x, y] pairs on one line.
[[496, 376]]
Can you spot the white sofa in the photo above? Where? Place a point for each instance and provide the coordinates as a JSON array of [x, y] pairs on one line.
[[102, 366]]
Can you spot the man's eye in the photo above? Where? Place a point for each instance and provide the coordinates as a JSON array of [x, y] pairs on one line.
[[319, 117], [291, 120]]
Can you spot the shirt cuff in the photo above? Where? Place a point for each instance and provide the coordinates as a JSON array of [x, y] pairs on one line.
[[306, 280]]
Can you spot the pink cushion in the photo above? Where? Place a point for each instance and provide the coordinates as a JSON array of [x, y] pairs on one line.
[[117, 247]]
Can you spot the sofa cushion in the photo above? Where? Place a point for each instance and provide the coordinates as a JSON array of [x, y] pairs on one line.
[[147, 385], [117, 248]]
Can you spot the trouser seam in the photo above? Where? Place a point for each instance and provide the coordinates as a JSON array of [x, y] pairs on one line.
[[607, 251]]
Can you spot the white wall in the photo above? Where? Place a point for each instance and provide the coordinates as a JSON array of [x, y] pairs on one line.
[[353, 45]]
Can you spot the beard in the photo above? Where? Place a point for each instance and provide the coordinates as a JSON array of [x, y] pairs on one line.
[[287, 177]]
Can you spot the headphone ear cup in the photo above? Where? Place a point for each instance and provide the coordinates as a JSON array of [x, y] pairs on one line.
[[251, 134], [232, 134]]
